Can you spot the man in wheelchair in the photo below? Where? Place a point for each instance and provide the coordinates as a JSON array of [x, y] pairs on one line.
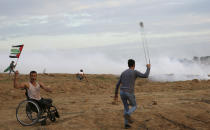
[[33, 92]]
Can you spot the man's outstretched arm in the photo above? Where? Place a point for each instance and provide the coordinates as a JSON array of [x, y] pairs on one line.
[[146, 74], [44, 87]]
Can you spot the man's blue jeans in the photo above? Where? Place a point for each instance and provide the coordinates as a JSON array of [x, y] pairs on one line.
[[128, 99]]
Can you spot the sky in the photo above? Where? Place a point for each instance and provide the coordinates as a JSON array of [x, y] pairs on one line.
[[101, 33]]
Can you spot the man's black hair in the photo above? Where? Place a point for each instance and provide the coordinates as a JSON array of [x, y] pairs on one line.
[[32, 72], [131, 63]]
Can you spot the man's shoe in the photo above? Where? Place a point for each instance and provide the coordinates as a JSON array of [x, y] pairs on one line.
[[128, 117], [127, 126]]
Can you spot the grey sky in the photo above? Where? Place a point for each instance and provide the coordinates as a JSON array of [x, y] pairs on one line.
[[69, 24]]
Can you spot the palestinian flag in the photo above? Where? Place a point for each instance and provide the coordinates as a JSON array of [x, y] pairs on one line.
[[16, 51]]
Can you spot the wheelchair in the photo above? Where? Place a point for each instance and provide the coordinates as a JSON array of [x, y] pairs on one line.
[[29, 112]]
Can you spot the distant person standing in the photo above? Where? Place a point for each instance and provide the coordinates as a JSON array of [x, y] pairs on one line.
[[81, 75], [12, 67], [127, 82]]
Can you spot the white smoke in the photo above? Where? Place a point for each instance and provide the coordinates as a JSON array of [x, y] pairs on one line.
[[65, 62], [171, 69], [98, 62]]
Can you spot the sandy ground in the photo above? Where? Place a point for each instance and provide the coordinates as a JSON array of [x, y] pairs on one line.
[[88, 106]]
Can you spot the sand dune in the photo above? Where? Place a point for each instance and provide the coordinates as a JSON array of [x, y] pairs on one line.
[[88, 106]]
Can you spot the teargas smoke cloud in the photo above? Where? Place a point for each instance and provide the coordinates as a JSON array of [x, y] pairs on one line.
[[99, 62], [173, 69]]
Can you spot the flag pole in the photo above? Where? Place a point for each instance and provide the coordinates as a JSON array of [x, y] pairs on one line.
[[16, 62]]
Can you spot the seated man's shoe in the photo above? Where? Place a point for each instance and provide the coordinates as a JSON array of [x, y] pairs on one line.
[[57, 115], [127, 126]]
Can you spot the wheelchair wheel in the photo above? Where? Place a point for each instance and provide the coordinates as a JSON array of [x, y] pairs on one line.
[[28, 113]]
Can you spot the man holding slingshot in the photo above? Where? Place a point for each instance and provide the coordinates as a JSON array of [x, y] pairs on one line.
[[127, 81]]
